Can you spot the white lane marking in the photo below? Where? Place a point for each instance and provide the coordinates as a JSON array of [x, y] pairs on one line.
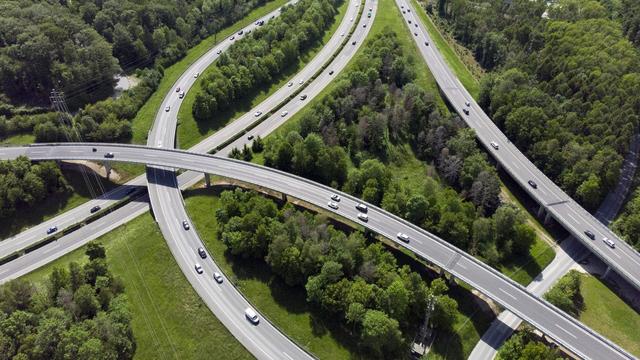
[[287, 355], [616, 254], [563, 329], [572, 218], [511, 296], [462, 266], [3, 271]]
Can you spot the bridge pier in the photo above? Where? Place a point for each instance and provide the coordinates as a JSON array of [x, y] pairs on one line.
[[207, 180], [606, 272], [547, 218], [107, 168], [541, 210]]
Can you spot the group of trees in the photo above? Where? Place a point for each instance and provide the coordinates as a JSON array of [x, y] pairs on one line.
[[564, 85], [525, 345], [345, 278], [566, 294], [24, 184], [350, 137], [263, 55], [628, 223], [79, 312]]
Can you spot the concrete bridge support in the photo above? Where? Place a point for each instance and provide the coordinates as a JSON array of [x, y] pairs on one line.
[[207, 180], [107, 168], [541, 210]]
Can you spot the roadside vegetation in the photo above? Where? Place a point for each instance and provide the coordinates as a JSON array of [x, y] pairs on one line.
[[524, 344], [560, 85], [77, 312], [167, 315]]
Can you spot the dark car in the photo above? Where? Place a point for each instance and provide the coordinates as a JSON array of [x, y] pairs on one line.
[[108, 155], [202, 253], [533, 184], [331, 72], [590, 235], [426, 43], [466, 111], [95, 209], [353, 43], [52, 229]]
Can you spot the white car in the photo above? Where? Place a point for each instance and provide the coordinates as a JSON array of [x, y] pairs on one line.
[[217, 277], [351, 19], [252, 315], [167, 108], [257, 113], [404, 237], [284, 113], [333, 205], [467, 103], [609, 243], [361, 207], [341, 34], [181, 95], [363, 216], [199, 268], [290, 84], [185, 225], [219, 52], [196, 75], [301, 82], [495, 145], [335, 197]]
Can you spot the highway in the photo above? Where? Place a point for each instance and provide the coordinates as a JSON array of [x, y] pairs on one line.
[[568, 213], [225, 301], [564, 329]]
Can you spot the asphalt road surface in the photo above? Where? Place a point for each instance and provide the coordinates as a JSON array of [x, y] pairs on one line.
[[564, 329]]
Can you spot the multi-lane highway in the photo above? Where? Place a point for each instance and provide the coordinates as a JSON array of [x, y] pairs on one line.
[[555, 202], [224, 300], [564, 329]]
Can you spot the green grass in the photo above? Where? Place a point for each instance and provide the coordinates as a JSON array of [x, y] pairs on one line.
[[190, 131], [19, 139], [523, 269], [607, 314], [53, 205], [462, 72], [169, 320], [286, 307]]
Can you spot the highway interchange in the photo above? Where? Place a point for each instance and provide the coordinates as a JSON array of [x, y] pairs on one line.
[[564, 330]]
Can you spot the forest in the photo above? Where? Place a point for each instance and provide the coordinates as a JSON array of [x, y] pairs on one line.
[[263, 55], [24, 184], [563, 84], [353, 135], [357, 282], [78, 312]]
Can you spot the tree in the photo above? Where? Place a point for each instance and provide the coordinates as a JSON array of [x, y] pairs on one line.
[[381, 334], [85, 299], [566, 294], [95, 251], [445, 313]]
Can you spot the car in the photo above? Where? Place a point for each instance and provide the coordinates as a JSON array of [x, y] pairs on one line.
[[494, 145], [252, 316], [409, 21], [369, 15], [341, 34], [353, 42], [185, 225], [589, 234], [415, 33], [362, 207], [240, 32], [257, 113], [333, 205], [402, 6], [364, 25], [198, 268], [404, 12], [335, 197], [467, 103], [284, 113], [232, 38], [351, 19], [108, 155], [250, 137], [331, 72], [532, 184], [181, 95], [196, 75], [609, 243], [301, 82], [248, 31], [303, 97], [52, 229], [167, 108], [261, 23], [94, 149], [202, 253], [416, 25], [408, 10], [465, 111], [178, 89], [219, 52], [95, 209], [217, 277], [290, 84], [426, 43], [363, 216], [257, 23], [404, 237]]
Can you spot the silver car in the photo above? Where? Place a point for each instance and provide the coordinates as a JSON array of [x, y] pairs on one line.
[[333, 205]]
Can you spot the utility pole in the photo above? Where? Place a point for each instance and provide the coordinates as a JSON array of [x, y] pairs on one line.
[[59, 103]]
